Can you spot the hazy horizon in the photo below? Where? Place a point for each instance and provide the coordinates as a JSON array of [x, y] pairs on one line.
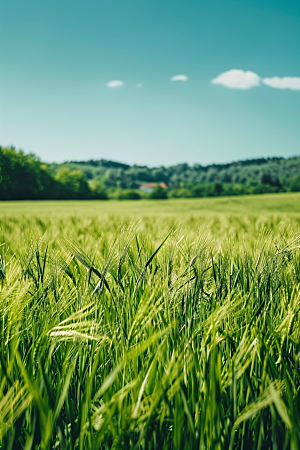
[[151, 83], [178, 163], [123, 161]]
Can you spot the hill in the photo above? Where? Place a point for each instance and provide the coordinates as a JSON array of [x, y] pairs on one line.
[[263, 174], [26, 177]]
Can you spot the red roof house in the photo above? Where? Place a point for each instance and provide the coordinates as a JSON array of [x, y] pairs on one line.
[[148, 187]]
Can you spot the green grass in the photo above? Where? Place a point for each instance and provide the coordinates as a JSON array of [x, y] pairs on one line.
[[178, 332], [268, 203]]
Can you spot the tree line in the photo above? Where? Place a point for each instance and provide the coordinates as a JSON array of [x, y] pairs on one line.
[[25, 177]]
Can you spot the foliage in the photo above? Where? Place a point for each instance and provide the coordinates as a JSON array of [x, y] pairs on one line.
[[98, 190], [125, 194], [145, 336], [263, 175], [158, 193], [74, 183], [25, 177], [295, 184]]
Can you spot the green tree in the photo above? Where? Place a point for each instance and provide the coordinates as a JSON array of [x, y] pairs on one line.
[[74, 184], [295, 184], [23, 177], [218, 189], [128, 194], [98, 190], [159, 193]]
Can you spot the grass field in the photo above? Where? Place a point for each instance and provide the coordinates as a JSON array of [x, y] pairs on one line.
[[268, 203], [230, 215], [181, 331]]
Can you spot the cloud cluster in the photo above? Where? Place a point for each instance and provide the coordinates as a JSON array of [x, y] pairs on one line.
[[118, 83], [179, 78], [283, 83], [237, 79], [114, 83], [241, 79]]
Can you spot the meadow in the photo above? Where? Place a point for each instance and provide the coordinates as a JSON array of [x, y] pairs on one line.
[[169, 324]]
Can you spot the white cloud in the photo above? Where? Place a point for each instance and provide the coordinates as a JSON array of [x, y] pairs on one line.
[[237, 79], [139, 85], [283, 83], [114, 83], [179, 78]]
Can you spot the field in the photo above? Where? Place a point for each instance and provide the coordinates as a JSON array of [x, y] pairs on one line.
[[169, 324]]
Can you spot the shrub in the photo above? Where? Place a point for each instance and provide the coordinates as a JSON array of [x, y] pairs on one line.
[[158, 193]]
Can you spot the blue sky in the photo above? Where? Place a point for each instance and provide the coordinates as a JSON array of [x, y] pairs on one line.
[[58, 57]]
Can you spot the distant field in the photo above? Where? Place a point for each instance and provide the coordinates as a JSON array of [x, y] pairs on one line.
[[230, 215], [288, 203]]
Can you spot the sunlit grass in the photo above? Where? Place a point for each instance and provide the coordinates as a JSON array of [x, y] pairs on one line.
[[109, 339]]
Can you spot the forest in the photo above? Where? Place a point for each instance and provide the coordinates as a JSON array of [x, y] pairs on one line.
[[25, 177]]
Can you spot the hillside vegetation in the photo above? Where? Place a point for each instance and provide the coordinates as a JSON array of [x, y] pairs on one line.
[[178, 332], [264, 174], [25, 177]]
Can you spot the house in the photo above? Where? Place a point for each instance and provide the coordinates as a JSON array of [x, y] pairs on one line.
[[148, 187]]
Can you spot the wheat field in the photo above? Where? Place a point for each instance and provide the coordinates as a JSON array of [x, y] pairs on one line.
[[150, 325]]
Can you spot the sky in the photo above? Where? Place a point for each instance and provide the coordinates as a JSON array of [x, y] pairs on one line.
[[153, 82]]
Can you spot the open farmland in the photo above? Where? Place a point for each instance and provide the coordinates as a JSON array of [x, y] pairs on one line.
[[169, 324]]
